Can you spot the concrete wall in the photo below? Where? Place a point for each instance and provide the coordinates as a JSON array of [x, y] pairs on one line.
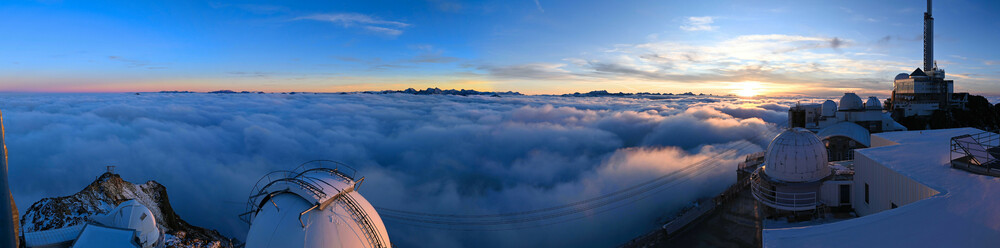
[[885, 187]]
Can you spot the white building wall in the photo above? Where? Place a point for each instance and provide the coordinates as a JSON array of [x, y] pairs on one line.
[[829, 193], [885, 187]]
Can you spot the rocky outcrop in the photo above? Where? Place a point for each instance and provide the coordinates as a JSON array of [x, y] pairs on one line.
[[103, 195]]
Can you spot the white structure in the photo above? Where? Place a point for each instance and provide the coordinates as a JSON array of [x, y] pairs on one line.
[[130, 224], [908, 195], [312, 207], [131, 215], [868, 115], [845, 127], [796, 175]]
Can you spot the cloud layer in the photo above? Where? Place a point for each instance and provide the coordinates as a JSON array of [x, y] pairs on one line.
[[442, 154]]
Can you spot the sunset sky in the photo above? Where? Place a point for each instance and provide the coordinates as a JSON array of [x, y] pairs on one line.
[[533, 46]]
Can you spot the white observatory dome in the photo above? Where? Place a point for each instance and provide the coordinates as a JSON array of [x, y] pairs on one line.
[[133, 215], [313, 208], [829, 108], [851, 101], [902, 76], [796, 155], [873, 103]]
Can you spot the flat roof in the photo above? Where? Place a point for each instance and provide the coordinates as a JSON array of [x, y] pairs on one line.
[[966, 212]]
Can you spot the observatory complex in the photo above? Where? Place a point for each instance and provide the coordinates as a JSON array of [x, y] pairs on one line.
[[926, 90], [931, 188], [845, 126]]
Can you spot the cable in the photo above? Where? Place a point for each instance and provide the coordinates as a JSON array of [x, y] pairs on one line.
[[636, 191]]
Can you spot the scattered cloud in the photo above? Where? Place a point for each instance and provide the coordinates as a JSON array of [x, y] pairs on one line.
[[791, 62], [386, 27], [548, 71], [133, 63], [539, 5], [698, 23]]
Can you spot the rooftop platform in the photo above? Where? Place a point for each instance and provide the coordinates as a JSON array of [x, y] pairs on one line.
[[965, 212]]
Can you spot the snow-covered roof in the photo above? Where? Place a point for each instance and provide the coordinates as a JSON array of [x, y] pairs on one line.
[[53, 237], [95, 236], [849, 130], [796, 155], [964, 214]]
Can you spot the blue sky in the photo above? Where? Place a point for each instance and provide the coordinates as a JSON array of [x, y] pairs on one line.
[[721, 47]]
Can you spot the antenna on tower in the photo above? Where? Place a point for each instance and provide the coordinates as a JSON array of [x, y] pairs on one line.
[[928, 40]]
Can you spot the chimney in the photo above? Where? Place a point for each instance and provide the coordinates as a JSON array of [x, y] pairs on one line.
[[928, 41]]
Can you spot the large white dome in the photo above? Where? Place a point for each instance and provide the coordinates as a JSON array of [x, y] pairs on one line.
[[314, 208], [796, 155], [851, 101]]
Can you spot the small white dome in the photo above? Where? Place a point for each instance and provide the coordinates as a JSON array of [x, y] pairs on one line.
[[902, 76], [796, 155], [829, 108], [873, 103], [135, 216], [851, 101]]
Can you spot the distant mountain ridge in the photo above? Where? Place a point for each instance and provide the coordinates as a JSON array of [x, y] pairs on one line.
[[103, 195]]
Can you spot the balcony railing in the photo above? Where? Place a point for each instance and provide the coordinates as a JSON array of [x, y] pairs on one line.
[[791, 201], [977, 153]]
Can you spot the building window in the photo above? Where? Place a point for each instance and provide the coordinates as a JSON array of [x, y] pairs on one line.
[[866, 193]]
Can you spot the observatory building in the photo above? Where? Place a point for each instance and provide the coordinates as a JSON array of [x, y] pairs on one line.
[[130, 224], [926, 90], [931, 188], [314, 206], [796, 177], [846, 126]]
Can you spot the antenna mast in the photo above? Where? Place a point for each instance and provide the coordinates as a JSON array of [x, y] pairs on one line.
[[928, 41]]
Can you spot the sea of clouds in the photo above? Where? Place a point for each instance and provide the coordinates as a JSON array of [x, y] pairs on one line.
[[437, 154]]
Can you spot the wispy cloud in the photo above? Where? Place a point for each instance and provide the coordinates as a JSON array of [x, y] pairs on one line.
[[790, 62], [698, 23], [539, 5], [374, 24], [135, 63]]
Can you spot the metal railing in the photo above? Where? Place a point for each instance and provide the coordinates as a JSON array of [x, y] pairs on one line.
[[260, 189], [976, 150], [793, 201], [367, 225]]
